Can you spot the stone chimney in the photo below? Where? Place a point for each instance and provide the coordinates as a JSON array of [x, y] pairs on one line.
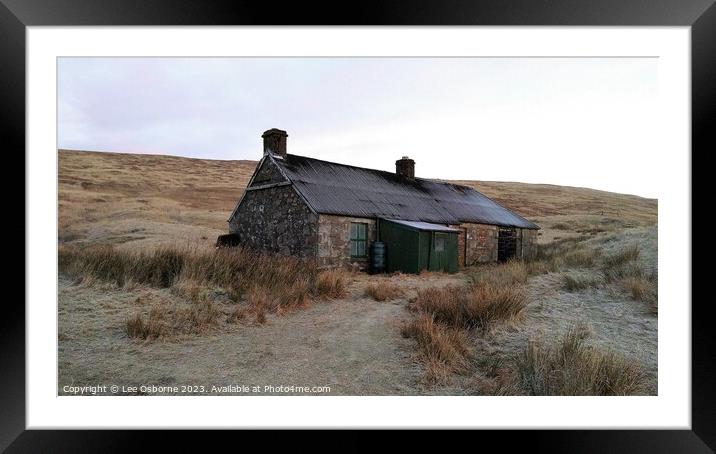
[[275, 142], [405, 167]]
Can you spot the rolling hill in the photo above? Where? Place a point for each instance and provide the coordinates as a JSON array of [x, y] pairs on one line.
[[137, 200]]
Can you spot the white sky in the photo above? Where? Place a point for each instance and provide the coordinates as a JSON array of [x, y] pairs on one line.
[[566, 121]]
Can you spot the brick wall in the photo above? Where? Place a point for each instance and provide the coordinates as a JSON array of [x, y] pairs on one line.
[[334, 246]]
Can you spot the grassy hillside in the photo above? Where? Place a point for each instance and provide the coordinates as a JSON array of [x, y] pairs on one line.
[[140, 200], [581, 318]]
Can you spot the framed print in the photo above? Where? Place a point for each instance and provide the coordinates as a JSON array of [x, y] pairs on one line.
[[435, 217]]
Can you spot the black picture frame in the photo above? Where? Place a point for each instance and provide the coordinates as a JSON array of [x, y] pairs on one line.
[[16, 15]]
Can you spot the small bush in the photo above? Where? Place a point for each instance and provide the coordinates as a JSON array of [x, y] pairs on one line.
[[561, 226], [569, 368], [444, 350], [383, 291]]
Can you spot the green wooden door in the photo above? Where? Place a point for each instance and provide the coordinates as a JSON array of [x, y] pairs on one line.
[[439, 249]]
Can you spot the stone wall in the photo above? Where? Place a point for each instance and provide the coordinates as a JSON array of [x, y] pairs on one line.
[[276, 219], [334, 245], [481, 241], [267, 174]]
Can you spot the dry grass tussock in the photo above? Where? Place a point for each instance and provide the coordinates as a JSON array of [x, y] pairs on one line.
[[383, 291], [574, 283], [571, 368], [622, 264], [446, 315], [164, 322], [643, 288], [624, 268], [332, 284], [285, 282], [511, 273], [443, 350], [476, 306], [560, 254]]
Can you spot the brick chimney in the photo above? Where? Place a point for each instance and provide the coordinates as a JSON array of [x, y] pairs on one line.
[[405, 167], [275, 142]]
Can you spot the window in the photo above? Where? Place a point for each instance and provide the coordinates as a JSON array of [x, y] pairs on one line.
[[439, 242], [359, 238]]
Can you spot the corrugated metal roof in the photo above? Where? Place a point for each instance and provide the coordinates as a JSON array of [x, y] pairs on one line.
[[424, 226], [340, 189]]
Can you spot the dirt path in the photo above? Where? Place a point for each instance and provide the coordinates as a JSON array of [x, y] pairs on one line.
[[353, 346]]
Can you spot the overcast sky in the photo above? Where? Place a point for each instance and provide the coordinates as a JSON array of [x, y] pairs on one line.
[[567, 121]]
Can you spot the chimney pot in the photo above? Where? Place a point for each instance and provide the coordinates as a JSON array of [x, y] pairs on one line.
[[275, 142], [405, 167]]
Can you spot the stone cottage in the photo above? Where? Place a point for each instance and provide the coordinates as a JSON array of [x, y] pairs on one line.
[[332, 212]]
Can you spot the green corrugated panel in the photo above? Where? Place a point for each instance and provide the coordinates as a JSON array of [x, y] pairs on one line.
[[401, 246], [424, 247], [452, 253], [443, 252], [411, 251]]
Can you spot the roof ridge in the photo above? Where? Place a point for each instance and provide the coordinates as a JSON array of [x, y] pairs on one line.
[[431, 180]]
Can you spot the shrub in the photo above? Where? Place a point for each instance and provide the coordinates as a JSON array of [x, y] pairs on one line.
[[569, 368], [383, 291]]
